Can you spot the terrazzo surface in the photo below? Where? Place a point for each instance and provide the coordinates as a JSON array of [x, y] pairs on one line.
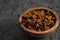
[[9, 12]]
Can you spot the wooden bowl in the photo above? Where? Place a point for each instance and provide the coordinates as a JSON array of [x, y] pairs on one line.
[[36, 33]]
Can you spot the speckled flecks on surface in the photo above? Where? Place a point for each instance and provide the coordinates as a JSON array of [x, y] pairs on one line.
[[9, 11]]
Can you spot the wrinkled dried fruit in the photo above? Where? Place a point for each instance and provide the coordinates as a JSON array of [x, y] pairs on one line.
[[39, 20]]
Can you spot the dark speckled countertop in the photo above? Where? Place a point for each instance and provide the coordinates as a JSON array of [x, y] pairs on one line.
[[9, 11]]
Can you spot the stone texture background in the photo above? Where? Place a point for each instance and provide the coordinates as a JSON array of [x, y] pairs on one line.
[[9, 11]]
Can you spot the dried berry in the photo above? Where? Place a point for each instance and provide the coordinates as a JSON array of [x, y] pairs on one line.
[[39, 20]]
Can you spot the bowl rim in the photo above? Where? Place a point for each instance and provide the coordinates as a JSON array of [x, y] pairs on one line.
[[37, 32]]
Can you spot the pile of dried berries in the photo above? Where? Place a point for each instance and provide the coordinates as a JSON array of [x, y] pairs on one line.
[[39, 20]]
